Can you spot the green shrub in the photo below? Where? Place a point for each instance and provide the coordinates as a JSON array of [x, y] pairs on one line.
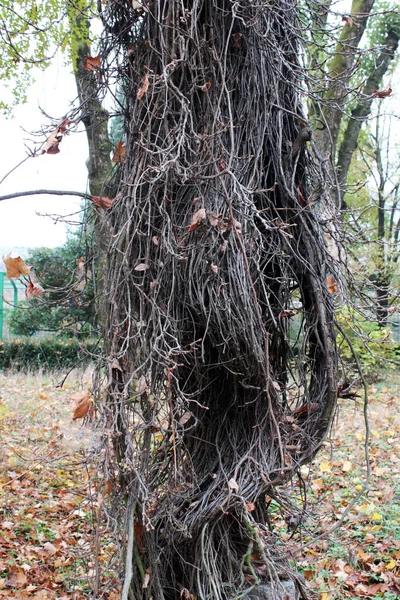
[[47, 354], [373, 345]]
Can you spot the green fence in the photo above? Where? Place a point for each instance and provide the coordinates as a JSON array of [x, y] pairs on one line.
[[6, 284]]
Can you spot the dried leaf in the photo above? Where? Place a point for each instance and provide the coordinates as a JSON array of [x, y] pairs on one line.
[[198, 218], [233, 486], [348, 20], [286, 314], [83, 402], [141, 385], [331, 285], [102, 201], [146, 581], [156, 240], [381, 93], [213, 268], [51, 145], [185, 418], [120, 153], [141, 267], [15, 266], [33, 290], [144, 86], [206, 86], [92, 63], [347, 466], [50, 549], [250, 506], [136, 5]]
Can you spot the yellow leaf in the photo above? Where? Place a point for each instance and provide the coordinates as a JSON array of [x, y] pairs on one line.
[[391, 564], [376, 516], [326, 596], [347, 466], [325, 466], [385, 389]]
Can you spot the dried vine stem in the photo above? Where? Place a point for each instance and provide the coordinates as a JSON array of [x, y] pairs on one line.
[[215, 393]]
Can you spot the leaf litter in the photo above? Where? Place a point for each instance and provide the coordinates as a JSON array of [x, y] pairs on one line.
[[47, 527], [47, 505]]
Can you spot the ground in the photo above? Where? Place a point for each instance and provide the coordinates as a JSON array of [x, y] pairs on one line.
[[51, 499]]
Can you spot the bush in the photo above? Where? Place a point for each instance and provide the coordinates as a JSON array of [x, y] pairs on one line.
[[47, 354], [374, 346]]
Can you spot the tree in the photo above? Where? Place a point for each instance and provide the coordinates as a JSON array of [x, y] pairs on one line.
[[374, 220], [213, 247]]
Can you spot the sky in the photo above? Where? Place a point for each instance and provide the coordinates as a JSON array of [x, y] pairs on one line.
[[21, 219]]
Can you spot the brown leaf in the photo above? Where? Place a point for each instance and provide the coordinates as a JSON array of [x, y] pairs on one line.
[[33, 290], [83, 402], [51, 145], [102, 201], [331, 284], [206, 86], [15, 266], [144, 86], [381, 93], [348, 20], [213, 268], [92, 63], [250, 506], [286, 314], [120, 153], [198, 218], [141, 267], [16, 578]]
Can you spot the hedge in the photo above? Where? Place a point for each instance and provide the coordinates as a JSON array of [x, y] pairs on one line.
[[47, 354]]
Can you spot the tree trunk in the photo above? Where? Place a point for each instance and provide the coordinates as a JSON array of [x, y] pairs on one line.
[[214, 398]]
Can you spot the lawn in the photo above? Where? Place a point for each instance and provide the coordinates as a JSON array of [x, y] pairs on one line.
[[50, 502]]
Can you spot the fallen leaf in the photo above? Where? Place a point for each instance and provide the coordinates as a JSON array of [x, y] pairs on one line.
[[198, 218], [15, 266], [102, 201], [391, 564], [144, 86], [141, 267], [50, 549], [347, 466], [250, 506], [92, 63], [325, 466], [120, 153]]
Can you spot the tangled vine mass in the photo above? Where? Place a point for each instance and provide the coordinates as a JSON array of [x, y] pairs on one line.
[[222, 369]]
